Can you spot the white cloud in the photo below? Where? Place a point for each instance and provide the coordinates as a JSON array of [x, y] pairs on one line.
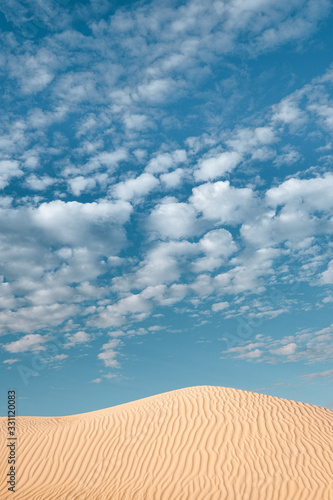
[[79, 184], [108, 355], [9, 169], [156, 90], [285, 350], [10, 361], [60, 257], [162, 265], [295, 219], [295, 27], [77, 338], [220, 306], [292, 226], [134, 307], [109, 159], [223, 203], [247, 273], [304, 345], [75, 88], [34, 71], [327, 276], [31, 342], [289, 156], [217, 245], [59, 357], [249, 140], [249, 351], [111, 375], [172, 219], [217, 166], [313, 194], [173, 179], [135, 188], [325, 113], [27, 319], [72, 222], [165, 161], [39, 183], [324, 374], [136, 122], [288, 112], [256, 353]]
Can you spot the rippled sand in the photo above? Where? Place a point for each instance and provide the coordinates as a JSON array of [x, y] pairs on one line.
[[195, 443]]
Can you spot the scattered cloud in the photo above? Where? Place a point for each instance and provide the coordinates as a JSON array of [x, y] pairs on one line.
[[324, 374], [135, 188], [10, 361], [109, 353], [30, 342], [214, 167], [96, 381], [220, 306], [305, 345], [222, 203], [327, 276], [142, 167], [77, 338]]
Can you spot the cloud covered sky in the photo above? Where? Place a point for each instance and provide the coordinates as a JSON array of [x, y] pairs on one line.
[[166, 199]]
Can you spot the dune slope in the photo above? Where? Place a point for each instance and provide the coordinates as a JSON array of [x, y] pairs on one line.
[[197, 443]]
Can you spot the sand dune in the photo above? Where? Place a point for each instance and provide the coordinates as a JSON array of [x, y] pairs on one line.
[[197, 443]]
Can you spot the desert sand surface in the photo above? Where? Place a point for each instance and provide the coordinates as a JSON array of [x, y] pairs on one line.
[[197, 443]]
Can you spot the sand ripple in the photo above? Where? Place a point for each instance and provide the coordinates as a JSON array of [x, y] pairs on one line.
[[199, 443]]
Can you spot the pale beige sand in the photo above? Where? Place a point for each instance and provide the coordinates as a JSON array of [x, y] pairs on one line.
[[196, 443]]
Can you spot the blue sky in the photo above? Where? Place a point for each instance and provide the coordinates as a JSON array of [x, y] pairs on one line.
[[166, 206]]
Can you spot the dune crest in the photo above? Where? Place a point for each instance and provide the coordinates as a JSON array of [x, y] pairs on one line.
[[197, 443]]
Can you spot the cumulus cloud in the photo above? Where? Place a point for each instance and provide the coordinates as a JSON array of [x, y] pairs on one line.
[[327, 276], [301, 209], [305, 345], [285, 350], [162, 265], [217, 245], [163, 162], [172, 219], [96, 381], [324, 374], [128, 113], [59, 357], [71, 222], [79, 184], [31, 342], [220, 306], [217, 166], [222, 202], [173, 179], [249, 140], [247, 273], [109, 353], [249, 351], [28, 319], [156, 90], [288, 112], [39, 183], [9, 169], [135, 188], [34, 71], [313, 194], [77, 338]]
